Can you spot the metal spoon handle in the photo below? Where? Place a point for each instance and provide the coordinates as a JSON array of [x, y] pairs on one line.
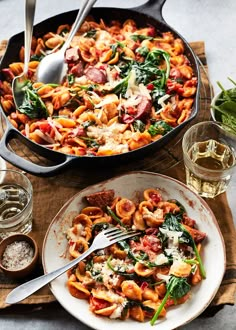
[[83, 12], [29, 24], [25, 290]]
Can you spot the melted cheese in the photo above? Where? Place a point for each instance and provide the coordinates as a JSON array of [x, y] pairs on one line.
[[107, 274], [163, 277], [161, 259], [173, 236], [134, 89], [174, 252], [110, 136]]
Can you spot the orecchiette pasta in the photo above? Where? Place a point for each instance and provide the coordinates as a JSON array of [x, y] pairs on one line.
[[131, 278], [126, 86]]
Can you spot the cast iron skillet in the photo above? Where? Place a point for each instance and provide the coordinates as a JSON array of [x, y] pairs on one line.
[[149, 13]]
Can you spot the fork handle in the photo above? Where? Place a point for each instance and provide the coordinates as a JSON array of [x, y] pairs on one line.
[[25, 290]]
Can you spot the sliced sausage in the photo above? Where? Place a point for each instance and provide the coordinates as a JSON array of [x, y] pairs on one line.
[[196, 234], [188, 221], [143, 108], [101, 198], [72, 55], [78, 69], [96, 75]]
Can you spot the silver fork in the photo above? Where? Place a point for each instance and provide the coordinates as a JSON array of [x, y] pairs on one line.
[[104, 239]]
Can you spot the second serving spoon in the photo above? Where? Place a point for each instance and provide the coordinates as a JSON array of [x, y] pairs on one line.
[[21, 81], [52, 67]]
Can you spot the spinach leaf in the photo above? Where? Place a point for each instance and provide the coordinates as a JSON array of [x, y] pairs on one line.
[[70, 79], [225, 106], [115, 217], [159, 127], [143, 51], [120, 44], [139, 126], [64, 31], [146, 72], [132, 303], [35, 57], [122, 86], [89, 264], [141, 257], [121, 272], [227, 110], [114, 49], [96, 274], [32, 104], [91, 34], [172, 223], [140, 37], [88, 123], [97, 227], [89, 88], [177, 288], [156, 56], [90, 142]]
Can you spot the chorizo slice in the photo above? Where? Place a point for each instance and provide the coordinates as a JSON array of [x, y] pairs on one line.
[[196, 234], [72, 55], [143, 108], [96, 75], [101, 198]]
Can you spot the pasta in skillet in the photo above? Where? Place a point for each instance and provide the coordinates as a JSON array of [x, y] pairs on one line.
[[125, 87], [141, 277]]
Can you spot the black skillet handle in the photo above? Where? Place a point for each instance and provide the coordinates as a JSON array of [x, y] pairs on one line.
[[25, 164], [152, 8]]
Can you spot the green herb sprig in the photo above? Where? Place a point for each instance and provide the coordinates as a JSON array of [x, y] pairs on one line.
[[225, 106], [171, 223], [32, 104], [177, 287]]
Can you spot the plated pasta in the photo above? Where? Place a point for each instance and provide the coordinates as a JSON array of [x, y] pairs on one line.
[[141, 277], [126, 86]]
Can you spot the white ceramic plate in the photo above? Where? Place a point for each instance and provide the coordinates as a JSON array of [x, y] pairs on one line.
[[129, 185]]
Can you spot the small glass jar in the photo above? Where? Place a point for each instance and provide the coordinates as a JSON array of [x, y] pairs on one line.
[[16, 203]]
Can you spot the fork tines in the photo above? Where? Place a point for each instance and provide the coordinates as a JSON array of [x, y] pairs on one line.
[[119, 234]]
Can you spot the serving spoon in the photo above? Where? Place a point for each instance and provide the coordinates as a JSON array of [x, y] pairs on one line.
[[52, 67], [20, 81]]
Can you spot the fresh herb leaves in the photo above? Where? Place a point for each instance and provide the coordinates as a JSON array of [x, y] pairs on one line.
[[159, 127], [225, 106], [146, 72], [91, 34], [32, 105], [70, 79], [172, 223], [115, 217], [177, 288], [139, 126], [143, 51], [140, 37]]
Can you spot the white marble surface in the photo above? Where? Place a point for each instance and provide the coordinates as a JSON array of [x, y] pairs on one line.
[[210, 20]]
